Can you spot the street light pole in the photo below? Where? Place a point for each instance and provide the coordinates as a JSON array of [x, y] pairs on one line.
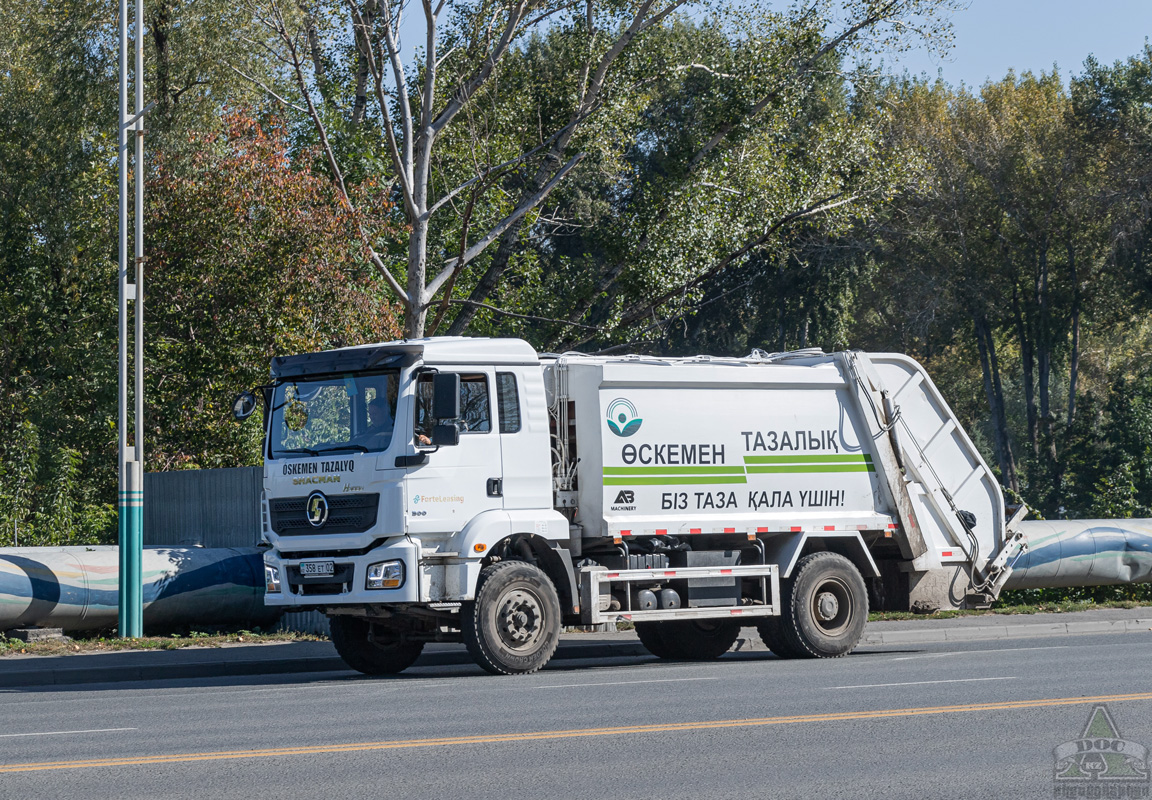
[[131, 458]]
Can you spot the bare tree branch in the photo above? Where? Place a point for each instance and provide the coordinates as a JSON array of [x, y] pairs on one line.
[[703, 67], [503, 224], [362, 33], [403, 174], [636, 313], [464, 94], [393, 52], [592, 84], [516, 315], [804, 66], [465, 220], [338, 176], [265, 87]]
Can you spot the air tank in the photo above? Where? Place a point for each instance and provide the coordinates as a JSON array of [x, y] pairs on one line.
[[76, 588]]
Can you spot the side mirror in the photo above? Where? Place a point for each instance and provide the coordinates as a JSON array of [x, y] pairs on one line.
[[445, 435], [243, 405], [446, 396]]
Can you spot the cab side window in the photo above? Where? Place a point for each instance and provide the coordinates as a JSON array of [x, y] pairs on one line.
[[475, 406], [508, 401]]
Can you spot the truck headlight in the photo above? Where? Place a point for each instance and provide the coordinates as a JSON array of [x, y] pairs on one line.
[[385, 575], [271, 580]]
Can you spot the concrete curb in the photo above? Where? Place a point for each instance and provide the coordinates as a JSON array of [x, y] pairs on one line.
[[1012, 631], [623, 645]]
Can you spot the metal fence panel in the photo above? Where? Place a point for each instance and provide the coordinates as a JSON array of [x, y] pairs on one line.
[[203, 507]]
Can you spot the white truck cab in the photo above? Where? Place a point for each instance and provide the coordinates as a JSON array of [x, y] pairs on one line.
[[456, 489]]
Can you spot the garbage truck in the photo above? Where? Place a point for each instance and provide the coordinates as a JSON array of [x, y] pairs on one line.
[[473, 490]]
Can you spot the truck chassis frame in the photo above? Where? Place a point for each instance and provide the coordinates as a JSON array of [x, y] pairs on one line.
[[594, 579]]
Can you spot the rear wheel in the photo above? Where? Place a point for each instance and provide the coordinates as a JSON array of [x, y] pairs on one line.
[[373, 652], [652, 638], [825, 607], [772, 634], [698, 639], [513, 625]]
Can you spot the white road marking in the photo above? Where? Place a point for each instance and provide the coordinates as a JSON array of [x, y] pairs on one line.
[[624, 683], [919, 683], [63, 733], [991, 650]]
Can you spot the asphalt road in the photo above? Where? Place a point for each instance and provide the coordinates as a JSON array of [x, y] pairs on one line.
[[955, 720]]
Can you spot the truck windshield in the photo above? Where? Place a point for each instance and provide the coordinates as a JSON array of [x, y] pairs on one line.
[[351, 413]]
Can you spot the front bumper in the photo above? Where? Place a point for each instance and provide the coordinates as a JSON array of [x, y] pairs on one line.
[[346, 586]]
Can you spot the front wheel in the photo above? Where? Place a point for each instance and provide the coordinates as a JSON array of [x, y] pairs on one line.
[[513, 625], [825, 607], [371, 652]]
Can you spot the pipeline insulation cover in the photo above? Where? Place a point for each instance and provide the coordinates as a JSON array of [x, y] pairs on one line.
[[1088, 552], [76, 588]]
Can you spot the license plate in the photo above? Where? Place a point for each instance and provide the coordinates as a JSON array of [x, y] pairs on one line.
[[318, 568]]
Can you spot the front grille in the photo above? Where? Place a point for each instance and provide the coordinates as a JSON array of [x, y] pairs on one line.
[[347, 513]]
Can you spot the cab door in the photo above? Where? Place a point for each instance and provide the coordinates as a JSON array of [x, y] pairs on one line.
[[456, 483]]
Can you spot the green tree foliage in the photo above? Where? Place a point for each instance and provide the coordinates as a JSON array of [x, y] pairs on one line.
[[478, 130], [251, 258], [57, 226], [740, 134], [1009, 250], [291, 265], [641, 175]]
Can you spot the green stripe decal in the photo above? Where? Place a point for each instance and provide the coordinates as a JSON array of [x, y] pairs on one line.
[[794, 468], [845, 459], [754, 465], [673, 470], [670, 480]]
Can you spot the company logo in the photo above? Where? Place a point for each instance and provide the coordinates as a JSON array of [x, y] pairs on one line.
[[417, 499], [622, 417], [625, 501], [316, 509], [1101, 763]]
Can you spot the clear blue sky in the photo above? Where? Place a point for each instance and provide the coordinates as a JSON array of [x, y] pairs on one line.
[[992, 36]]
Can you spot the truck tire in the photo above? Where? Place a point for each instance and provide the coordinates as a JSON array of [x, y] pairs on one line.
[[363, 654], [513, 625], [649, 634], [698, 639], [772, 634], [825, 607]]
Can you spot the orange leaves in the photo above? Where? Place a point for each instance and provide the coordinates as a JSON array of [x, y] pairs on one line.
[[251, 244]]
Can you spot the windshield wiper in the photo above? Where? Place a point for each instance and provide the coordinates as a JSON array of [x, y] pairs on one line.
[[299, 450], [359, 447]]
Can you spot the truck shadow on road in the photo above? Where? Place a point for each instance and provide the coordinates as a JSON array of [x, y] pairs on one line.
[[631, 667]]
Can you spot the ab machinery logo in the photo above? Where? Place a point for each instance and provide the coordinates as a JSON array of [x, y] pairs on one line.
[[1101, 763], [622, 417], [625, 501]]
